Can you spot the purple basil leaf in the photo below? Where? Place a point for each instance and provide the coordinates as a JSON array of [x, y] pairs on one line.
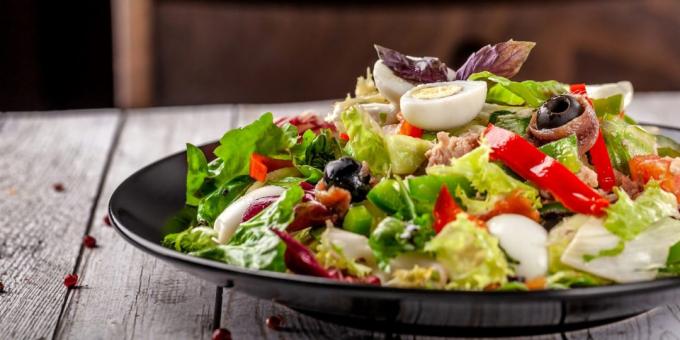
[[299, 259], [503, 59], [416, 70]]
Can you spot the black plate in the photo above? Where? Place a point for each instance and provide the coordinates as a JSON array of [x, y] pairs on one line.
[[143, 203]]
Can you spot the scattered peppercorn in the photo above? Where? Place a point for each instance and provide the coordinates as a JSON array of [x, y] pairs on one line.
[[107, 220], [2, 287], [89, 241], [71, 280], [58, 187], [221, 334], [274, 322]]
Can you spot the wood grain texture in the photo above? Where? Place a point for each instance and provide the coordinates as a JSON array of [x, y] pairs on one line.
[[245, 317], [41, 229], [662, 323], [131, 295]]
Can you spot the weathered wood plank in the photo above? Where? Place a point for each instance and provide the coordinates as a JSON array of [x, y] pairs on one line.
[[131, 294], [659, 323], [245, 317], [41, 229]]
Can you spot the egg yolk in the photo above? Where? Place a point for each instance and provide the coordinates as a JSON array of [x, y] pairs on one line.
[[436, 92]]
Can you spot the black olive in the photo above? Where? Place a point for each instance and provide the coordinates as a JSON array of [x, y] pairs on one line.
[[346, 173], [558, 111]]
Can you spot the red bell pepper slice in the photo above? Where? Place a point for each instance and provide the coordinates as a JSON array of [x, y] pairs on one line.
[[260, 165], [529, 162], [599, 156], [410, 130], [258, 170], [445, 209], [577, 88]]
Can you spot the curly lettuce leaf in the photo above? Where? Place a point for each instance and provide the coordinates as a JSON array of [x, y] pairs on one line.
[[627, 218], [331, 254], [416, 277], [416, 70], [506, 92], [504, 59], [565, 150], [625, 141], [392, 237], [190, 240], [471, 256], [366, 142], [254, 245], [487, 178]]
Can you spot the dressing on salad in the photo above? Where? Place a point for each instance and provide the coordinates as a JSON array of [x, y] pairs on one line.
[[439, 178]]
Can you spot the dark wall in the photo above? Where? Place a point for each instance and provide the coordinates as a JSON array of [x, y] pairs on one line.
[[55, 55], [221, 51], [58, 54]]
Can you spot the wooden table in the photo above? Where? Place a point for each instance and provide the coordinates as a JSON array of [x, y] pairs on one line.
[[126, 293]]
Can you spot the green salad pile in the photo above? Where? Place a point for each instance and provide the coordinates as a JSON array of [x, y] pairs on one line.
[[439, 178]]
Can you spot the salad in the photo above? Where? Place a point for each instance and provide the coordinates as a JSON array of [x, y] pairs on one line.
[[439, 178]]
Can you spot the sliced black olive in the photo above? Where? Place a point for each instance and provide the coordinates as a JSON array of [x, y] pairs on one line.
[[557, 111], [346, 173]]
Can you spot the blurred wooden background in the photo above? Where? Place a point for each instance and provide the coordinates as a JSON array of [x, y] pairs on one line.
[[179, 52]]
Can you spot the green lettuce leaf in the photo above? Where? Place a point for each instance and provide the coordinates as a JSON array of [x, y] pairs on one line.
[[190, 240], [667, 146], [513, 121], [625, 141], [608, 106], [197, 171], [565, 150], [366, 141], [262, 136], [212, 205], [487, 178], [627, 218], [254, 245], [573, 278], [471, 256], [316, 150], [392, 237], [672, 261], [507, 92]]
